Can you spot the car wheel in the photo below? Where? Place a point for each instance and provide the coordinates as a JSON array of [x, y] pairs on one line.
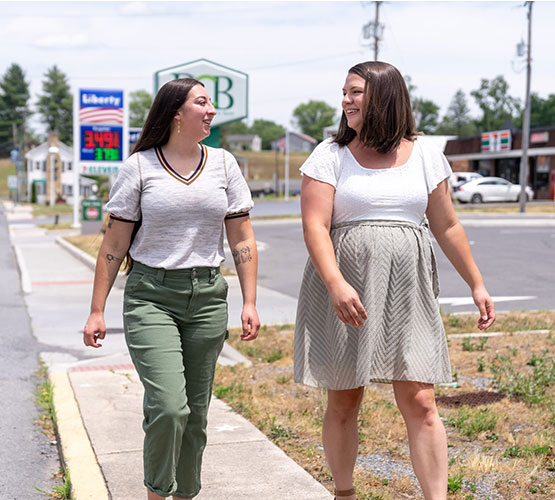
[[476, 198]]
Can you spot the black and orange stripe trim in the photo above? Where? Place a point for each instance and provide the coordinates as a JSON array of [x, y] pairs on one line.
[[115, 217], [236, 216], [185, 180]]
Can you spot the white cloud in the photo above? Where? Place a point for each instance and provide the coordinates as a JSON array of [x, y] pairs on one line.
[[134, 9], [63, 41]]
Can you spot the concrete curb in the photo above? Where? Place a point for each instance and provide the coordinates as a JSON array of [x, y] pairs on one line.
[[87, 481], [26, 285], [88, 260]]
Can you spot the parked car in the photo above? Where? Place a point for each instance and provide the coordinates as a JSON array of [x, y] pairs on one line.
[[458, 178], [490, 189]]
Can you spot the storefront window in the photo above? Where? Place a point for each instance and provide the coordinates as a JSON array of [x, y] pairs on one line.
[[508, 168]]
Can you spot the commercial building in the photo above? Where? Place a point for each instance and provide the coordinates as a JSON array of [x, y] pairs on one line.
[[498, 153]]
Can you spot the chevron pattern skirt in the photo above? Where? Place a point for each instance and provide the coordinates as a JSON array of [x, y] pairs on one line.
[[392, 267]]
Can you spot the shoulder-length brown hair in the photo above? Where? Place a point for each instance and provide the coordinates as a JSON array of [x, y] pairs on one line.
[[387, 114]]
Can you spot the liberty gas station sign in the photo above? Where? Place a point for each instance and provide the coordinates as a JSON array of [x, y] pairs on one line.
[[102, 136], [228, 88]]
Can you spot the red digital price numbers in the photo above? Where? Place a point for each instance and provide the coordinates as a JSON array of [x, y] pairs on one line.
[[103, 140]]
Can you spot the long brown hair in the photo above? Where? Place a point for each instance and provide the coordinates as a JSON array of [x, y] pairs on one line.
[[387, 115], [157, 128]]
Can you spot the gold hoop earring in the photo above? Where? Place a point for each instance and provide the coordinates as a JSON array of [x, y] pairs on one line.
[[178, 127]]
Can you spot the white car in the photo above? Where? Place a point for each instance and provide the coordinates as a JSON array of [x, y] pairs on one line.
[[490, 189], [458, 178]]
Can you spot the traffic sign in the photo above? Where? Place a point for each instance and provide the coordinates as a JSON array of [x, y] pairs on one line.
[[92, 210]]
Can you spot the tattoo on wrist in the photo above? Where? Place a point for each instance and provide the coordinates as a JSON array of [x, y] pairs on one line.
[[109, 223], [242, 255], [112, 258]]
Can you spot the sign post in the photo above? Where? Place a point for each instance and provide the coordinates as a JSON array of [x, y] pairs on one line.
[[227, 87], [100, 136]]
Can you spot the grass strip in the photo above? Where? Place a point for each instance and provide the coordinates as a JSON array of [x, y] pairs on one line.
[[44, 397], [499, 446]]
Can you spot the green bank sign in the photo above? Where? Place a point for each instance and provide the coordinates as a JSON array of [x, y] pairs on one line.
[[228, 88]]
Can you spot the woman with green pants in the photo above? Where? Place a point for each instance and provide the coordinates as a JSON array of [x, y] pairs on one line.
[[168, 209]]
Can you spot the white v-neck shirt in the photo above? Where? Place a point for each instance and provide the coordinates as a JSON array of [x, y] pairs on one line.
[[182, 217], [398, 193]]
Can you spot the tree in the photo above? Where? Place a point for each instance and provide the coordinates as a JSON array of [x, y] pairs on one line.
[[426, 115], [14, 96], [267, 130], [56, 104], [425, 111], [234, 128], [542, 111], [496, 104], [457, 120], [312, 117], [140, 102]]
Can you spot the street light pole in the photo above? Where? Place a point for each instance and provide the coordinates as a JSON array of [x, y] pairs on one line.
[[526, 119]]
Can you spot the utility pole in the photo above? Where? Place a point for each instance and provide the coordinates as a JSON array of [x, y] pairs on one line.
[[372, 32], [377, 35], [526, 119]]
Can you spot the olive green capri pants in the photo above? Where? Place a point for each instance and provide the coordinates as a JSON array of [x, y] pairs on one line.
[[175, 325]]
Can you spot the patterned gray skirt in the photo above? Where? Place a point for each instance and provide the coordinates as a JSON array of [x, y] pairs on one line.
[[391, 265]]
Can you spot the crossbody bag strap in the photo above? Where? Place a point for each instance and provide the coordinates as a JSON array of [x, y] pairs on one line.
[[225, 169], [140, 173]]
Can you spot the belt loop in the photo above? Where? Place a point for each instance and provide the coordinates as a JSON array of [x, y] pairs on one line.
[[194, 275], [212, 275], [160, 276]]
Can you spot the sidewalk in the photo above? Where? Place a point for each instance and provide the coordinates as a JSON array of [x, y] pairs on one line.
[[98, 397]]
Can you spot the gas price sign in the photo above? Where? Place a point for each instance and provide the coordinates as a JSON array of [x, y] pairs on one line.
[[101, 143]]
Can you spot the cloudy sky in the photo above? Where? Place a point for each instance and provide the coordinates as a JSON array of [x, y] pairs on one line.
[[292, 51]]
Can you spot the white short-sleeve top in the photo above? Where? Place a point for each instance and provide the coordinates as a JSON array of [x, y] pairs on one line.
[[182, 217], [398, 193]]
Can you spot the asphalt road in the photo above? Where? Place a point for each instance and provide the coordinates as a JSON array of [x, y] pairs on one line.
[[516, 262], [28, 460]]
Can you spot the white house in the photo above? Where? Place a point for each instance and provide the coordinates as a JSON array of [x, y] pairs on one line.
[[38, 164]]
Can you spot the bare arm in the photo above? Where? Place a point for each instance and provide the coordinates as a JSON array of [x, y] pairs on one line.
[[451, 237], [110, 257], [317, 207], [243, 248]]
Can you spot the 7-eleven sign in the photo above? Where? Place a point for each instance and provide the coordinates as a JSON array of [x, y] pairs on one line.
[[500, 140]]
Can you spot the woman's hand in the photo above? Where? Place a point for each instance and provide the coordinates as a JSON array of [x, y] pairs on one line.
[[347, 305], [95, 329], [485, 306], [250, 322]]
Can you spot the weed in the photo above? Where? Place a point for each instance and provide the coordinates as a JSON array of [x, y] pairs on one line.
[[537, 450], [481, 363], [472, 423], [453, 321], [63, 491], [283, 379], [469, 345], [279, 432], [530, 388], [492, 436], [273, 356], [455, 483], [220, 391]]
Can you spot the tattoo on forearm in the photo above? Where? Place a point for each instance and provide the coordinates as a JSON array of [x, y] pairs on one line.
[[109, 223], [111, 258], [242, 255]]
